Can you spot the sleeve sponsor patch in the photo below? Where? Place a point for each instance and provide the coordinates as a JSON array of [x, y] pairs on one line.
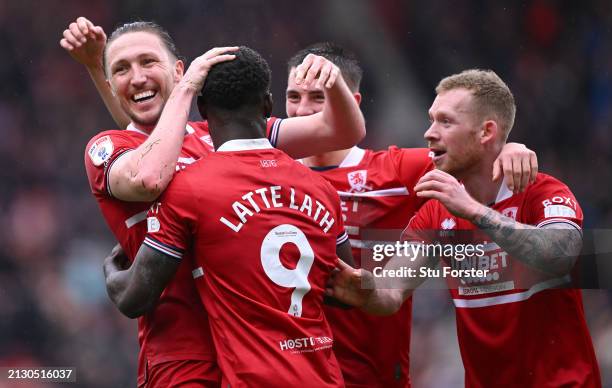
[[101, 150], [559, 211]]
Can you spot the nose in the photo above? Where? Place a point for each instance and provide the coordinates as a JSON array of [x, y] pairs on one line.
[[431, 134], [138, 76], [304, 109]]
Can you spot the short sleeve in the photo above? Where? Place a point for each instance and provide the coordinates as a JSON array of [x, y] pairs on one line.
[[272, 130], [101, 152], [549, 201], [172, 219], [410, 164], [421, 225]]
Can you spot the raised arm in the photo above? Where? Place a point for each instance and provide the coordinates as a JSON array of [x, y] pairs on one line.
[[340, 125], [144, 173], [136, 289], [85, 43]]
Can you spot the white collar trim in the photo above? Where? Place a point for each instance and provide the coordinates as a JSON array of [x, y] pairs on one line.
[[503, 193], [353, 158], [131, 127], [245, 145]]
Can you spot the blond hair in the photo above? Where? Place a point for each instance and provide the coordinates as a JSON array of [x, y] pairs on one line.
[[491, 96]]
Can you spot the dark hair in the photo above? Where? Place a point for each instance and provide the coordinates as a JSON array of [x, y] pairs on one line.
[[244, 80], [341, 57], [142, 26]]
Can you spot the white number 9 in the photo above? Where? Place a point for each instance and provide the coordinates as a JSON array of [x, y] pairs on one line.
[[281, 275]]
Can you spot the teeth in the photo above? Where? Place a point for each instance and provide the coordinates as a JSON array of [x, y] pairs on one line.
[[140, 96]]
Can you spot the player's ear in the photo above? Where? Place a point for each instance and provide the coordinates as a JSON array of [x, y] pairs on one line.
[[202, 107], [179, 70], [112, 89], [357, 97], [267, 105], [489, 131]]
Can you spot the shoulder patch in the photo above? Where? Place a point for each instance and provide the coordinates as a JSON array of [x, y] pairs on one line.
[[101, 150]]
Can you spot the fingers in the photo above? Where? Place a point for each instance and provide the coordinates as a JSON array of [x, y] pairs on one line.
[[313, 71], [526, 174], [300, 70], [220, 58], [517, 173], [76, 32], [324, 74], [431, 185], [533, 159], [98, 33], [65, 45], [497, 170], [341, 265], [71, 39], [430, 194], [219, 50], [508, 173], [83, 25]]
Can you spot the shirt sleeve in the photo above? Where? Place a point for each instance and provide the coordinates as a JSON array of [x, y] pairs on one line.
[[272, 130], [420, 227], [549, 201], [101, 153], [410, 164], [172, 219]]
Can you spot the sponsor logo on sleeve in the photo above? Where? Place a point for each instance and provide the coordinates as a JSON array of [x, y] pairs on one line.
[[101, 150], [553, 211]]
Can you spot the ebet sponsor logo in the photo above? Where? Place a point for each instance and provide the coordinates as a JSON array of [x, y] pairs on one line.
[[305, 343]]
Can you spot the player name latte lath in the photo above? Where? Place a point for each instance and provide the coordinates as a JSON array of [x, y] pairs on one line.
[[272, 197]]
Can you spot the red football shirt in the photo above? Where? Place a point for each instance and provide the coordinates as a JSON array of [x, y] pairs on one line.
[[376, 189], [515, 327], [264, 230], [162, 336]]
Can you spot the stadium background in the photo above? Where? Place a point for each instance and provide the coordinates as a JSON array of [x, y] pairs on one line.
[[555, 56]]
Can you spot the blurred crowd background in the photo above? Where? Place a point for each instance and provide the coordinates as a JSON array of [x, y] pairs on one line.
[[556, 56]]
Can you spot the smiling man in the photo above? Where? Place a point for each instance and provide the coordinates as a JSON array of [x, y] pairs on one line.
[[524, 325]]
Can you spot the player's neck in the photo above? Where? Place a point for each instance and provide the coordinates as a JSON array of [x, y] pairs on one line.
[[143, 128], [222, 131], [478, 182], [333, 158]]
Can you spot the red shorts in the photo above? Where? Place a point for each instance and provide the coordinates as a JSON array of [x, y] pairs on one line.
[[183, 373]]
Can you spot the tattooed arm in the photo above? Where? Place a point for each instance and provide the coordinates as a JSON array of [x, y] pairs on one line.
[[143, 174], [552, 249]]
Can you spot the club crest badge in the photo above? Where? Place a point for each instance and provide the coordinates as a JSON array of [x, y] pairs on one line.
[[101, 150], [357, 180], [510, 212]]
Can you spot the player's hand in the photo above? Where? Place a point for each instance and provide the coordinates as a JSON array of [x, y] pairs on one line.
[[198, 69], [518, 164], [315, 68], [437, 184], [84, 42], [117, 260], [349, 285]]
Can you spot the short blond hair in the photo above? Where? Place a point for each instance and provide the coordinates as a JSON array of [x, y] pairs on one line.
[[491, 95]]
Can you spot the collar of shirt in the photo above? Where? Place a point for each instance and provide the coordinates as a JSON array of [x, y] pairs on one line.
[[245, 145]]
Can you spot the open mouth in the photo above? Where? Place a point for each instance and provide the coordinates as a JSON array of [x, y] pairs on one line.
[[437, 153], [143, 96]]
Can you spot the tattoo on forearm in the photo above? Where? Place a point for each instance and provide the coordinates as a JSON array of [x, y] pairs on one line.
[[550, 250]]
